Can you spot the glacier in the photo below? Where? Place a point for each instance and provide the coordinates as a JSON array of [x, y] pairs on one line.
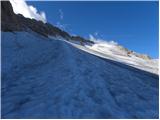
[[52, 78], [113, 51]]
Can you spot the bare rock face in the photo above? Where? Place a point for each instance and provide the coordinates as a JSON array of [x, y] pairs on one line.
[[81, 40], [17, 22], [143, 56], [132, 53], [13, 22], [9, 20]]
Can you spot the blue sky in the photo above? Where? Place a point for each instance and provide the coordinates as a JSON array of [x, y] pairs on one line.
[[132, 24]]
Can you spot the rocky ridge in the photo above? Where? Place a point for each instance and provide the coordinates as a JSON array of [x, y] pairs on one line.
[[17, 22]]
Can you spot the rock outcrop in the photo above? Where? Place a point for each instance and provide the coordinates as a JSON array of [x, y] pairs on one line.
[[81, 40], [13, 22], [17, 22], [9, 21]]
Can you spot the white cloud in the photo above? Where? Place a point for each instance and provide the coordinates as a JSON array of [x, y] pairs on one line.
[[61, 26], [98, 40], [113, 42], [96, 33], [92, 38], [28, 11], [61, 14]]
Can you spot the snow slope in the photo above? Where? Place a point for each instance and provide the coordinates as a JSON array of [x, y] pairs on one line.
[[113, 51], [46, 78]]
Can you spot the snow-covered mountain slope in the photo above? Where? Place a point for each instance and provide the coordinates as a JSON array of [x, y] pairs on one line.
[[46, 78], [113, 51]]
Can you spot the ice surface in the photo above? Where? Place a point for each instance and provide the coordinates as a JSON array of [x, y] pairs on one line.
[[50, 78]]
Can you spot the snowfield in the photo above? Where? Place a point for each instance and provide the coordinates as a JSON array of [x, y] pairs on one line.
[[113, 51], [51, 78]]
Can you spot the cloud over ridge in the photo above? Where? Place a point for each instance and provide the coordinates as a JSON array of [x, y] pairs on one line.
[[28, 11]]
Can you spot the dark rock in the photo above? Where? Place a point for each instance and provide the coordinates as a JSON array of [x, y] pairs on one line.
[[81, 40], [9, 21], [17, 22]]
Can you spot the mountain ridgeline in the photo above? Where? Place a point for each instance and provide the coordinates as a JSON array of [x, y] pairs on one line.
[[17, 22], [47, 74]]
